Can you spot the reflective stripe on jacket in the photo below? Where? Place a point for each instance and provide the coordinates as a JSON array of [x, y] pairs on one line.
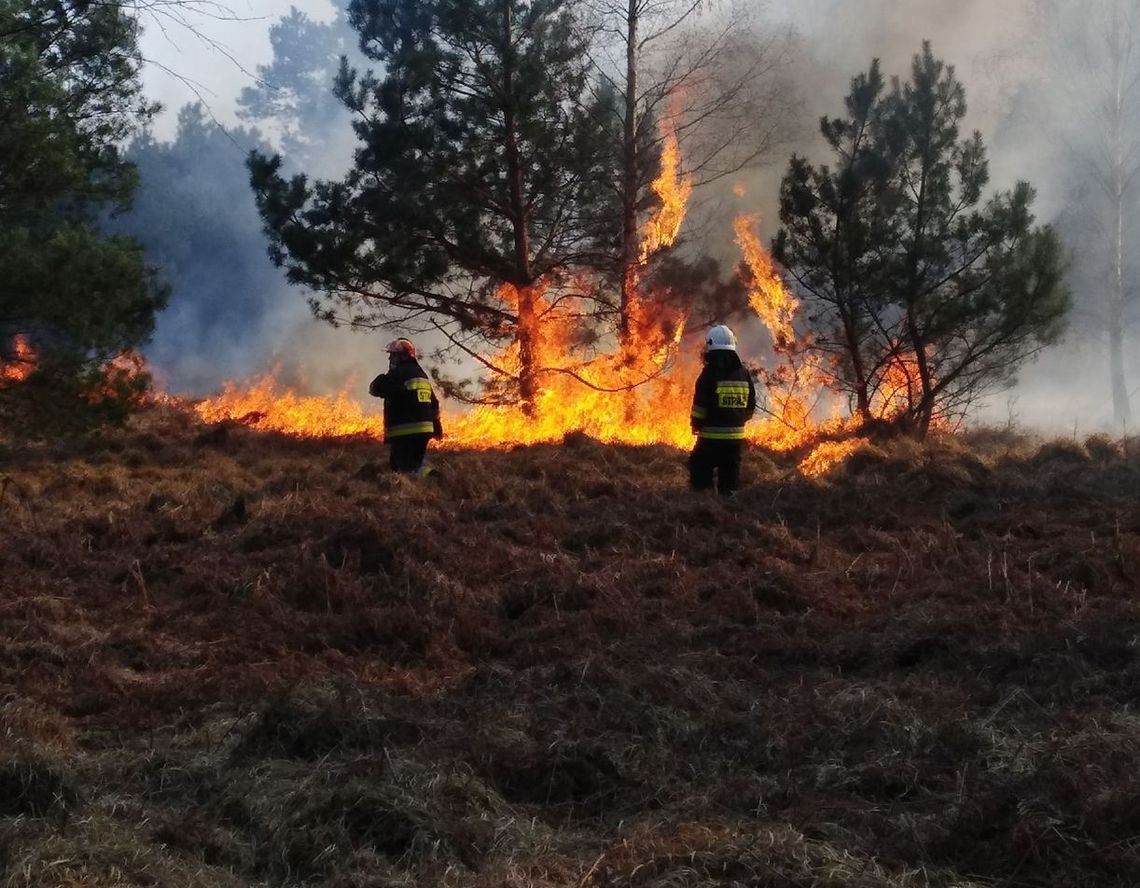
[[724, 400], [409, 428], [410, 405]]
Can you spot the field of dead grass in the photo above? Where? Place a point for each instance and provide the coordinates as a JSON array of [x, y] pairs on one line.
[[233, 659]]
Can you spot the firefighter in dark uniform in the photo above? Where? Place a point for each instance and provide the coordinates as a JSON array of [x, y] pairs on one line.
[[411, 410], [725, 400]]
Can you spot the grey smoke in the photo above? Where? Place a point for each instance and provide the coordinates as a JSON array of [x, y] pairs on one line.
[[997, 48]]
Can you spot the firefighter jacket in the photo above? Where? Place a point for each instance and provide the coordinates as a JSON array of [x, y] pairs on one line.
[[725, 398], [410, 405]]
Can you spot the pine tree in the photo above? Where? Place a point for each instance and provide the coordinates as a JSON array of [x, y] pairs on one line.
[[69, 94], [294, 92], [938, 284], [832, 226], [476, 180]]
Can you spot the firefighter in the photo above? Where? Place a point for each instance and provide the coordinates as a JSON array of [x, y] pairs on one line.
[[724, 401], [411, 410]]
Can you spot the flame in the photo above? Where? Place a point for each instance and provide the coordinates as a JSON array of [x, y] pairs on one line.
[[770, 299], [674, 191], [650, 335], [826, 456], [124, 378], [639, 394], [23, 363], [796, 382], [267, 406], [798, 385], [900, 389], [610, 398]]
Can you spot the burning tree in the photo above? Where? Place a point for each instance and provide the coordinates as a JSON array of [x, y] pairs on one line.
[[476, 192], [689, 79], [922, 294]]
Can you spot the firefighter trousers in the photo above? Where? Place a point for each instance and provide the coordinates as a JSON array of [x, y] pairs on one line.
[[406, 453], [716, 459]]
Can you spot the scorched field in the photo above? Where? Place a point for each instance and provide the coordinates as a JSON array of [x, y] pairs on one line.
[[230, 658]]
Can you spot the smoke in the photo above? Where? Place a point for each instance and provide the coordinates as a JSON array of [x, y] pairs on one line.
[[834, 40], [232, 314], [1031, 71]]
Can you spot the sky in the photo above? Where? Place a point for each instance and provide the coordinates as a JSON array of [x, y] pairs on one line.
[[215, 63], [211, 58]]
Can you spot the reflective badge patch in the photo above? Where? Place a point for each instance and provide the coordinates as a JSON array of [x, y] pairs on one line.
[[424, 395], [732, 395]]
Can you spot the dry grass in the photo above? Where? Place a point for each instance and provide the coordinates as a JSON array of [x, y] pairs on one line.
[[229, 659]]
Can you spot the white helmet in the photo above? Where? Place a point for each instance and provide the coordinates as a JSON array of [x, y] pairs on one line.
[[720, 338]]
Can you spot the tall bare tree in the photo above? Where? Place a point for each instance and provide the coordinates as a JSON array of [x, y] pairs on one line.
[[1091, 96], [694, 75]]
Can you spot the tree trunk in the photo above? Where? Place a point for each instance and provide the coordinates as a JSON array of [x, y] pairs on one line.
[[526, 334], [1121, 404], [629, 246], [525, 331], [858, 368], [923, 413]]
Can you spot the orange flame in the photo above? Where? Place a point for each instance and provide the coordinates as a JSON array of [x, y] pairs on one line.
[[651, 336], [796, 379], [266, 406], [610, 398], [640, 394], [898, 389], [798, 384], [828, 455], [770, 299], [674, 191], [23, 363], [126, 379]]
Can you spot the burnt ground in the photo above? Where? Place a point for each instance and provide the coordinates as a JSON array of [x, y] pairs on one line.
[[231, 659]]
